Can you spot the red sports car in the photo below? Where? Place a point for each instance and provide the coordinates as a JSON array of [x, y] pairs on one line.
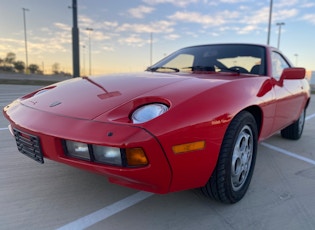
[[193, 120]]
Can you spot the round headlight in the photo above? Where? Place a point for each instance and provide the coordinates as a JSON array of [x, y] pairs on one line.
[[148, 112], [40, 92]]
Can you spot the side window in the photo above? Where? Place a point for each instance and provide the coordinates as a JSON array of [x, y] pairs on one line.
[[278, 64]]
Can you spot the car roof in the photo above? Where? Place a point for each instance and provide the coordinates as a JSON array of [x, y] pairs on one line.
[[247, 49]]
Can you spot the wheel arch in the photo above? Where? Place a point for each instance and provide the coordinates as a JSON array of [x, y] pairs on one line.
[[257, 114], [307, 102]]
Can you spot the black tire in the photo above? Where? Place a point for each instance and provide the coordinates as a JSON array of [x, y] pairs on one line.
[[232, 175], [295, 130]]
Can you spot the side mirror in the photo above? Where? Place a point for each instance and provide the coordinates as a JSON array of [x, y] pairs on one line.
[[293, 73]]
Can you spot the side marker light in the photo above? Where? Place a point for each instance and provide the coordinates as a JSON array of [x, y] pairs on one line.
[[136, 157], [188, 147]]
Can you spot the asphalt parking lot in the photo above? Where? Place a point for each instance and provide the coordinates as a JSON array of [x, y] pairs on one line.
[[56, 196]]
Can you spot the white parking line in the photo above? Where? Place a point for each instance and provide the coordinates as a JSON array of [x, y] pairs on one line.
[[104, 213], [288, 153], [310, 117], [1, 129]]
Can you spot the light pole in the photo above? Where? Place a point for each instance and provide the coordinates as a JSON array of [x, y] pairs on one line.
[[269, 24], [279, 33], [75, 40], [25, 39], [90, 62], [83, 60], [151, 48]]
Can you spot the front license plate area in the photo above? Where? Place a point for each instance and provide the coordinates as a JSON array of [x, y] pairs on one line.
[[29, 145]]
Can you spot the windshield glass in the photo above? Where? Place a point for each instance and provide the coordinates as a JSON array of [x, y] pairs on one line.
[[238, 58]]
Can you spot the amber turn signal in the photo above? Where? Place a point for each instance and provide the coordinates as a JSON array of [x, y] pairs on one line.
[[136, 157], [188, 147]]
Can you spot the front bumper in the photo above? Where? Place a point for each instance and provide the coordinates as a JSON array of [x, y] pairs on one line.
[[52, 129]]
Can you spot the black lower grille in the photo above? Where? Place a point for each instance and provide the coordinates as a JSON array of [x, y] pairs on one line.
[[29, 145]]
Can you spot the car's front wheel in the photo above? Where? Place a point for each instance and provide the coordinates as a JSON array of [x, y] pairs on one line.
[[232, 175]]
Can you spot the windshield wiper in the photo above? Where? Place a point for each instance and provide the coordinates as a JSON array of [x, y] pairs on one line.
[[200, 68], [154, 69], [233, 70]]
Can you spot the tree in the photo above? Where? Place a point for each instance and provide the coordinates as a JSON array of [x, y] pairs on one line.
[[10, 58], [19, 66], [55, 68], [33, 68]]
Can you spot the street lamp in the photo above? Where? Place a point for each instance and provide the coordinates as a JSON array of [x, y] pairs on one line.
[[151, 48], [269, 24], [90, 30], [75, 40], [25, 39], [279, 33], [83, 60]]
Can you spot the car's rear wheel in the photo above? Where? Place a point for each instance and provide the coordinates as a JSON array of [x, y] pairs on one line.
[[232, 175], [295, 130]]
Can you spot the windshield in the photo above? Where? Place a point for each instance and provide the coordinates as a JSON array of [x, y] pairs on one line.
[[237, 58]]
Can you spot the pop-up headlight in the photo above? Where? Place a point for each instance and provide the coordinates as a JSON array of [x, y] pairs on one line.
[[148, 112]]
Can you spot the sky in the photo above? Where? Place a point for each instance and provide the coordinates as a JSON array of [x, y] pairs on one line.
[[129, 36]]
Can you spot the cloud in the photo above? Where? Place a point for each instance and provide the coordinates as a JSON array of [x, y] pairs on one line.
[[195, 17], [180, 3], [247, 29], [232, 1], [221, 2], [133, 40], [62, 26], [285, 3], [140, 11], [99, 36], [204, 19], [256, 17], [85, 21], [310, 18], [162, 26], [109, 25], [285, 14], [10, 45], [308, 5], [172, 36], [108, 48]]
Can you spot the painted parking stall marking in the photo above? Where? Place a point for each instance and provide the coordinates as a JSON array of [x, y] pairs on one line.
[[288, 153], [310, 117], [2, 129], [104, 213]]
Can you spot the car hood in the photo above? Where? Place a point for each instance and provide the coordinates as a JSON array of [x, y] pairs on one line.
[[88, 98]]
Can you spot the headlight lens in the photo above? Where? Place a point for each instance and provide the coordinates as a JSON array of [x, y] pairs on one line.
[[148, 112], [40, 92], [78, 150], [108, 155]]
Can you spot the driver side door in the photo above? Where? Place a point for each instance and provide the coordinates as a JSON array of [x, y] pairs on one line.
[[289, 97]]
